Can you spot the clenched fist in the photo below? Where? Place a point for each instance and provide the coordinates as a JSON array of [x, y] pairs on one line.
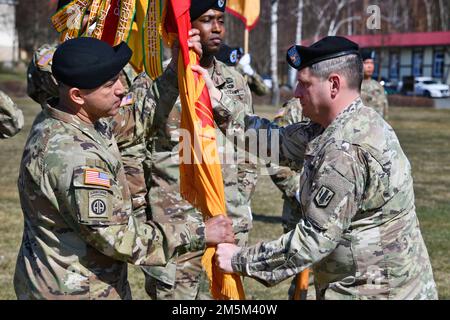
[[219, 229]]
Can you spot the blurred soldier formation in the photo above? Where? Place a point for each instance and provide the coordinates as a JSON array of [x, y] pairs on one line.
[[100, 187]]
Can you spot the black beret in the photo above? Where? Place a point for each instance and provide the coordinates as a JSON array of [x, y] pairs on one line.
[[62, 3], [228, 55], [367, 54], [87, 63], [300, 57], [199, 7]]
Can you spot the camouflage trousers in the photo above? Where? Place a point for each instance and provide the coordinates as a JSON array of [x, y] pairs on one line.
[[184, 279]]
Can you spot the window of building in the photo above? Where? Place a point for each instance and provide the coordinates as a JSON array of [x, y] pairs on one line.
[[394, 65], [417, 63], [376, 61], [438, 64]]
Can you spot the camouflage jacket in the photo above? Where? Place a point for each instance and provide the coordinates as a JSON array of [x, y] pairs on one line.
[[287, 180], [359, 230], [373, 95], [255, 82], [42, 86], [79, 232], [11, 117]]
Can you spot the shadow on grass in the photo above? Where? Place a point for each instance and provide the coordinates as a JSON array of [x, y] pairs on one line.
[[266, 219]]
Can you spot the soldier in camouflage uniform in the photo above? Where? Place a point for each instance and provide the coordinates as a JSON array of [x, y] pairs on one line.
[[186, 279], [234, 57], [359, 230], [372, 92], [255, 81], [79, 231], [11, 117]]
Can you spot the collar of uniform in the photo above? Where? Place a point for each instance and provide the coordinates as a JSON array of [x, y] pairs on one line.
[[86, 128], [216, 73], [318, 143]]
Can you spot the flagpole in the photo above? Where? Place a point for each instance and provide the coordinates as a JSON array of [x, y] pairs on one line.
[[246, 40]]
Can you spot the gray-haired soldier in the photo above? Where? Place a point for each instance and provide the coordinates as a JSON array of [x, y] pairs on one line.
[[359, 229]]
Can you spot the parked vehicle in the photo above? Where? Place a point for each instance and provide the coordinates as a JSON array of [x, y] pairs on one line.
[[427, 87]]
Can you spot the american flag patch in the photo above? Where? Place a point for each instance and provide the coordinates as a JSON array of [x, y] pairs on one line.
[[127, 100], [96, 178], [45, 59]]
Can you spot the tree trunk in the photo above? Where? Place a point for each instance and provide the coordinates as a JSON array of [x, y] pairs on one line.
[[298, 40], [274, 53], [428, 5], [443, 14]]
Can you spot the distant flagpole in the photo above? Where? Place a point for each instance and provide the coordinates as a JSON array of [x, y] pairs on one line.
[[248, 11]]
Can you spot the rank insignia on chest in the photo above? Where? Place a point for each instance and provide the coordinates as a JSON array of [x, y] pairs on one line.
[[96, 178], [323, 197]]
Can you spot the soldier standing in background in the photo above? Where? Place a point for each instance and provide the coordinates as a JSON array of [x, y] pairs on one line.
[[286, 179], [288, 182], [372, 92], [235, 57], [11, 117], [186, 279]]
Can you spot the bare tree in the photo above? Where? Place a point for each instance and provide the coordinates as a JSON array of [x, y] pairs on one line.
[[443, 11], [33, 24], [332, 15], [337, 21], [428, 8], [298, 39], [274, 52]]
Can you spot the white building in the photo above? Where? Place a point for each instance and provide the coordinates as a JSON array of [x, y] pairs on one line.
[[8, 35]]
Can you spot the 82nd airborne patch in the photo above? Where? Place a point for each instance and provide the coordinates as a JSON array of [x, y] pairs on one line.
[[323, 197], [98, 204]]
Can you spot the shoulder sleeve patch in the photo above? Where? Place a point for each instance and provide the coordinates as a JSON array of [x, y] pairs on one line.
[[323, 197], [45, 59]]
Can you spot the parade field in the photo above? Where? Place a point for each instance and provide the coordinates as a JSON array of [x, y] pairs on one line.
[[425, 137]]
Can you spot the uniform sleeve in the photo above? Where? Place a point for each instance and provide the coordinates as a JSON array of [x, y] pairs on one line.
[[257, 85], [129, 130], [282, 145], [329, 201], [286, 179], [94, 202], [11, 117], [166, 93]]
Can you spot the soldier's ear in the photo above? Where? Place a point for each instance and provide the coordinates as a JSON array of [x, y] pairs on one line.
[[76, 96], [334, 81]]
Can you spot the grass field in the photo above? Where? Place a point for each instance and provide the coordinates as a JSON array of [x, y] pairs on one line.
[[424, 135]]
